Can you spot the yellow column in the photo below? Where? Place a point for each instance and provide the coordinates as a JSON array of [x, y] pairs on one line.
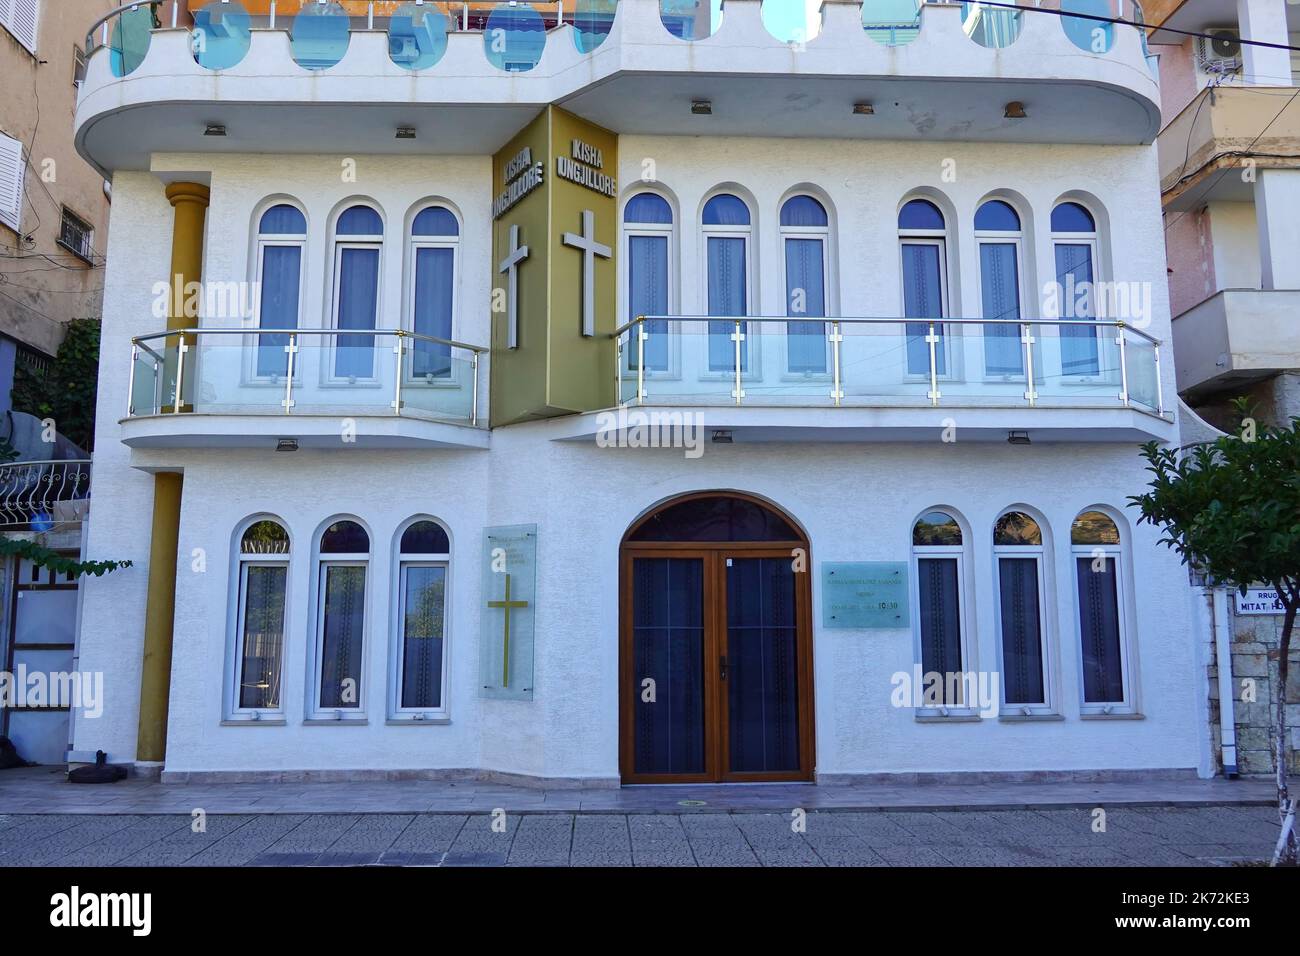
[[190, 202]]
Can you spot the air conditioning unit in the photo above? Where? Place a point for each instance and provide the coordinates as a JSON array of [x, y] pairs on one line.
[[1220, 52]]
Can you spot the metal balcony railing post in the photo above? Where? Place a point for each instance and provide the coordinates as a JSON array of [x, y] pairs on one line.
[[271, 24], [130, 381], [640, 359], [473, 407], [176, 12], [397, 378], [737, 336], [291, 350], [1160, 389], [1123, 364], [178, 399], [933, 340], [1027, 337], [370, 15], [837, 337]]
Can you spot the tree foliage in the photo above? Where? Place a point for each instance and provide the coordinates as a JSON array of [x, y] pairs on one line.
[[65, 391], [44, 557]]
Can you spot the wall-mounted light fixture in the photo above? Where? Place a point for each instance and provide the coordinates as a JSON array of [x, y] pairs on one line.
[[1014, 110], [702, 107], [214, 129], [863, 109], [287, 444]]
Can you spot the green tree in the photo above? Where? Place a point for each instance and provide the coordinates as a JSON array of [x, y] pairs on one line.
[[1231, 509], [65, 391]]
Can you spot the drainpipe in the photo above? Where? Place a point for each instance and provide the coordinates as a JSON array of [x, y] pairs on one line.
[[1227, 690]]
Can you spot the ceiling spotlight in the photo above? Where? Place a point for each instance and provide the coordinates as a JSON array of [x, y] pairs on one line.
[[406, 132], [1018, 438], [287, 444], [721, 436], [702, 107], [214, 129], [1014, 110], [863, 109]]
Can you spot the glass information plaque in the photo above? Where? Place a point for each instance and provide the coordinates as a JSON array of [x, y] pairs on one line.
[[506, 635], [864, 594]]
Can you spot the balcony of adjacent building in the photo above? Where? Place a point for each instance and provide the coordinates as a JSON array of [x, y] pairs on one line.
[[301, 388], [853, 379], [377, 76]]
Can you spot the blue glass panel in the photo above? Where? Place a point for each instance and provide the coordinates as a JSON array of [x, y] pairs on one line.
[[892, 22], [1000, 292], [342, 629], [938, 601], [726, 210], [1103, 672], [360, 221], [1021, 625], [434, 272], [424, 601], [803, 211], [1071, 217], [129, 41], [805, 294], [668, 649], [425, 537], [278, 307], [920, 214], [1078, 342], [762, 666], [221, 35], [358, 295], [1091, 35], [726, 297], [435, 221], [647, 294], [691, 19], [318, 36], [791, 21], [514, 38], [922, 299], [997, 216], [994, 27], [417, 36], [648, 207], [345, 537], [592, 21], [283, 220]]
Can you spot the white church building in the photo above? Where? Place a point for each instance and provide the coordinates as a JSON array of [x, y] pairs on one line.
[[635, 393]]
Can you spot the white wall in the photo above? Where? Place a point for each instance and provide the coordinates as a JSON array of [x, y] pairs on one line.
[[1236, 245]]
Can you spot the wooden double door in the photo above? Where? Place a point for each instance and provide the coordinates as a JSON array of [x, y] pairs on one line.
[[715, 663]]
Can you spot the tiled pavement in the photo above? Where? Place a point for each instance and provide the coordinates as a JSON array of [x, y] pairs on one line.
[[1133, 836]]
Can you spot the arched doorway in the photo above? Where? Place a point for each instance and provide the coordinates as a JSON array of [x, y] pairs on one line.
[[715, 652]]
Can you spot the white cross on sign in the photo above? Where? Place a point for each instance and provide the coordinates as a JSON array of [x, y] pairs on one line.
[[509, 265], [590, 249]]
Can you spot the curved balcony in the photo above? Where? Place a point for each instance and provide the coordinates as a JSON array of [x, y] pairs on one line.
[[306, 76], [291, 388]]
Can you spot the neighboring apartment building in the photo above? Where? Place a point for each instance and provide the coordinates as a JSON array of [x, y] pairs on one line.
[[1230, 186], [53, 205], [638, 398]]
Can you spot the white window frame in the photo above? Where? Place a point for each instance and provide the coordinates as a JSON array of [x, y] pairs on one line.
[[1128, 706], [396, 663], [822, 234], [263, 242], [965, 710], [234, 712], [323, 562], [413, 246], [342, 243], [12, 152], [939, 239], [753, 364], [1089, 239], [1038, 553], [652, 230], [998, 237]]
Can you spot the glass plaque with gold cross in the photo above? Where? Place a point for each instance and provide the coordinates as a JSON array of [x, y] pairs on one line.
[[506, 634]]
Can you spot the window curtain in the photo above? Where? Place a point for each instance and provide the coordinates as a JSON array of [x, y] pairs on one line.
[[805, 279], [647, 294], [1103, 677], [434, 268], [422, 637], [1078, 342], [358, 302], [940, 617], [726, 297], [668, 647], [922, 299], [259, 673], [278, 309], [1022, 639], [1000, 291], [341, 638]]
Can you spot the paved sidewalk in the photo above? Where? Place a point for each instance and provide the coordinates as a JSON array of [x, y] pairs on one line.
[[1133, 836], [41, 790]]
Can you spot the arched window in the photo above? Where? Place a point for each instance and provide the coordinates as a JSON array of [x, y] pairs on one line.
[[263, 578], [1018, 557], [1074, 247], [727, 234], [358, 240], [341, 618], [648, 238], [418, 679], [434, 240], [922, 240], [281, 240], [1099, 589], [938, 558], [1000, 241], [805, 242]]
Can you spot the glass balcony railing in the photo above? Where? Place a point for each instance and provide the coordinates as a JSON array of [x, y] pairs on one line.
[[696, 360], [305, 372]]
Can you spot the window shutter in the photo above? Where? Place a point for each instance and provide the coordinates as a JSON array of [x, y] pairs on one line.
[[22, 19], [11, 181]]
